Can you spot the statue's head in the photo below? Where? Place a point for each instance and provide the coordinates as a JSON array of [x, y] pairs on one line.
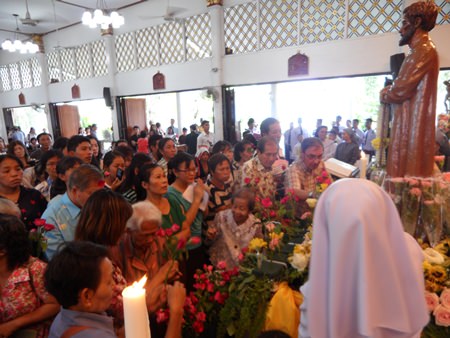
[[419, 15]]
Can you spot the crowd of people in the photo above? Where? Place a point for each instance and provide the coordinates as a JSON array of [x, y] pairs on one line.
[[102, 215]]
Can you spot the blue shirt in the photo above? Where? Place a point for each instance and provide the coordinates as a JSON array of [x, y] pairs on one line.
[[64, 215], [100, 325]]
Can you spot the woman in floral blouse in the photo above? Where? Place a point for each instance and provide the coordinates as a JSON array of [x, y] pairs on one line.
[[24, 302]]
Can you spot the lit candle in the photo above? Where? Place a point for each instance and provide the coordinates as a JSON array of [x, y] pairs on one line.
[[363, 165], [135, 310]]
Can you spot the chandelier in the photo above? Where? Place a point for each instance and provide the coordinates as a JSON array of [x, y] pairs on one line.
[[17, 45], [102, 17]]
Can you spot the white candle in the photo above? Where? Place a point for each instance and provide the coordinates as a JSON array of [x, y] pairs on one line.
[[135, 310], [362, 166]]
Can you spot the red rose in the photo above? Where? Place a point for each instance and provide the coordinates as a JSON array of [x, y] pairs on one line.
[[220, 297], [247, 180], [160, 232], [198, 327], [48, 227], [272, 213], [222, 265], [39, 222], [201, 316], [266, 202], [284, 200], [175, 227], [169, 232], [257, 179], [162, 316], [195, 240], [181, 244]]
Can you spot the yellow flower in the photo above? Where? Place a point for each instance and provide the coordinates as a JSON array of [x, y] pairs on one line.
[[376, 143], [273, 235], [256, 244], [438, 273], [311, 202]]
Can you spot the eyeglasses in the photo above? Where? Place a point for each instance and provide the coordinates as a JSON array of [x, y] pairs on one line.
[[313, 157], [190, 170]]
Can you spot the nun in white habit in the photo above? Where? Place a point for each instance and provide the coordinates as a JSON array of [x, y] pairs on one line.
[[366, 276]]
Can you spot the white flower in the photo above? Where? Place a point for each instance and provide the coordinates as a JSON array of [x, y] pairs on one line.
[[299, 261], [432, 256]]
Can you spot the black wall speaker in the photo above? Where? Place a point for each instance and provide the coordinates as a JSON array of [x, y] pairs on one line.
[[396, 63], [107, 97]]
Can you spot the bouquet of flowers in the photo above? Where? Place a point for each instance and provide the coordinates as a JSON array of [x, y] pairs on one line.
[[437, 284], [37, 237]]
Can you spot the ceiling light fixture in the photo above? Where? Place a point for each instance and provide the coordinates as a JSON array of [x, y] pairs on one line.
[[18, 45], [102, 17]]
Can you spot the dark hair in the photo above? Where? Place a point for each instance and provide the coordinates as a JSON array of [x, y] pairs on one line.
[[316, 134], [180, 158], [110, 156], [60, 143], [40, 168], [131, 177], [11, 157], [246, 194], [100, 155], [127, 152], [14, 241], [215, 160], [13, 144], [239, 148], [220, 147], [263, 141], [75, 141], [144, 176], [42, 134], [104, 227], [59, 186], [311, 142], [184, 129], [74, 268], [153, 140], [265, 125], [143, 134], [120, 141], [163, 142], [83, 176], [204, 122], [193, 127]]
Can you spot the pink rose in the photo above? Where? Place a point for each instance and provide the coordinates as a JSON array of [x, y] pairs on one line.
[[266, 202], [201, 316], [169, 232], [270, 227], [442, 316], [445, 298], [160, 232], [175, 228], [241, 257], [257, 179], [222, 265], [432, 300], [162, 316], [195, 240], [181, 244]]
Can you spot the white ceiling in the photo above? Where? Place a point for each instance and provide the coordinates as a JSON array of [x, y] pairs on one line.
[[51, 14]]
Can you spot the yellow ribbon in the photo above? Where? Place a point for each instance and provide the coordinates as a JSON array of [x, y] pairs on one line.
[[284, 311]]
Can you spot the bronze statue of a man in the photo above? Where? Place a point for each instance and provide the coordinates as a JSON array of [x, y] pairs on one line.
[[413, 96]]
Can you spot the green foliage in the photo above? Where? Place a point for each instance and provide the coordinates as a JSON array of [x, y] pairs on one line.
[[244, 312]]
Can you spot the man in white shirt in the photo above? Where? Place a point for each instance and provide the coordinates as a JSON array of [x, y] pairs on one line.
[[206, 138], [358, 132], [172, 124]]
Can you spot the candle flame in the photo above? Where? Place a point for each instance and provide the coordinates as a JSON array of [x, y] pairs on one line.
[[141, 283]]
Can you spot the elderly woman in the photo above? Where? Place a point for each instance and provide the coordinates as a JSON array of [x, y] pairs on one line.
[[365, 277], [139, 251], [24, 302], [348, 151]]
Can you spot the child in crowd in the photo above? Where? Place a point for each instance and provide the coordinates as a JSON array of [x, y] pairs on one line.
[[142, 143], [233, 229], [80, 278]]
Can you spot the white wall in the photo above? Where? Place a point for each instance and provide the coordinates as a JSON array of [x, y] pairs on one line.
[[365, 55]]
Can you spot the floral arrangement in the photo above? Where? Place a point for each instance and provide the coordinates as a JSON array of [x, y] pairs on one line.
[[322, 182], [423, 205], [376, 142], [175, 247], [37, 237], [202, 307], [301, 254], [437, 285]]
